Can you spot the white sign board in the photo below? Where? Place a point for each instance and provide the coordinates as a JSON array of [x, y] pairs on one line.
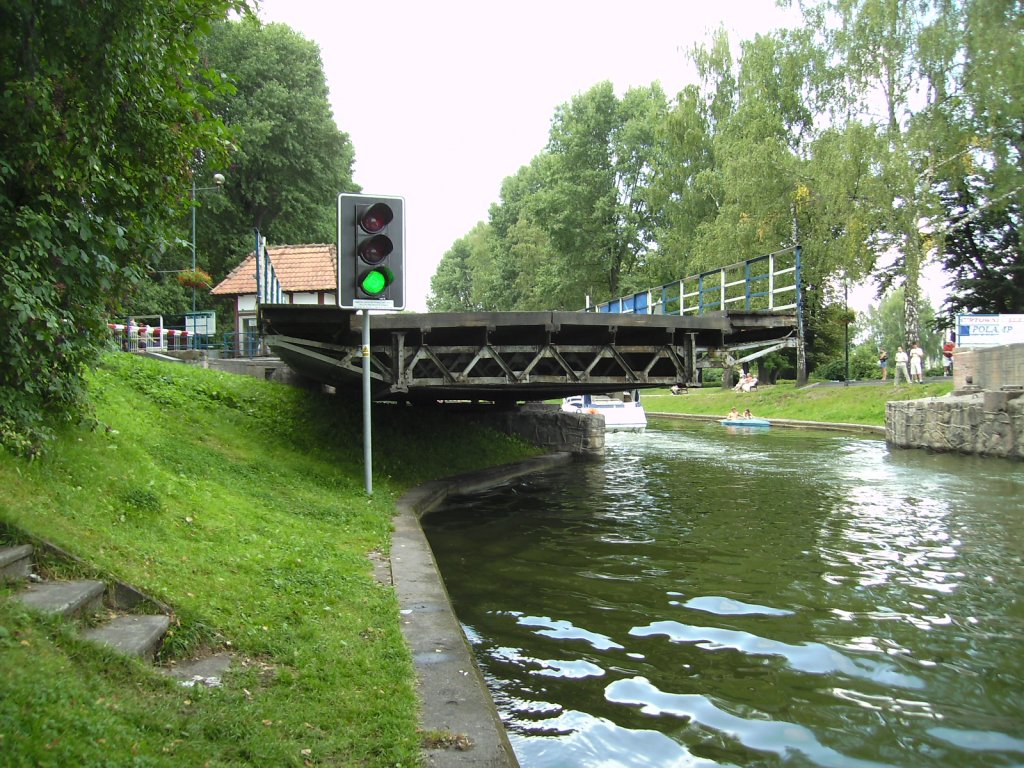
[[201, 323], [989, 330]]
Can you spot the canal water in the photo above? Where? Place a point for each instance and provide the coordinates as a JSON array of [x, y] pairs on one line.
[[705, 597]]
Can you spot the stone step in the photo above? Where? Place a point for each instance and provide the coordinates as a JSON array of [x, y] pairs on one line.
[[207, 671], [16, 562], [132, 635], [67, 598]]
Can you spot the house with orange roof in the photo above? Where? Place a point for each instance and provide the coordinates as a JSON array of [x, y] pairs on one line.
[[306, 274]]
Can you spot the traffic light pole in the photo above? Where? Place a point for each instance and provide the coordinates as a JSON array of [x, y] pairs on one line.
[[371, 275], [367, 437]]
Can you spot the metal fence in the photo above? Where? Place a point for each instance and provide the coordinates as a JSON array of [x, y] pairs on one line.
[[138, 338], [765, 283]]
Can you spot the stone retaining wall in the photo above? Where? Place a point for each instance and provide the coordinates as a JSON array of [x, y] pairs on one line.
[[989, 368], [549, 427], [986, 424], [983, 416]]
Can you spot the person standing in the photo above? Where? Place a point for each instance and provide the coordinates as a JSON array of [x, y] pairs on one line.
[[901, 366], [947, 356], [917, 363], [883, 363]]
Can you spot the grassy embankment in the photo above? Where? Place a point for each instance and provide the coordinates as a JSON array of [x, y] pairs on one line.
[[240, 503], [836, 404]]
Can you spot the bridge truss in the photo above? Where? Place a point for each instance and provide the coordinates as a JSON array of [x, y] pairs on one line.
[[507, 357]]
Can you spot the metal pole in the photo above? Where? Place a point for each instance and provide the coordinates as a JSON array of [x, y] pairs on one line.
[[801, 349], [846, 329], [367, 438], [193, 246]]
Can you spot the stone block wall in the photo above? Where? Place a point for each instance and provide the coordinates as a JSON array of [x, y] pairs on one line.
[[986, 424], [549, 427], [989, 368]]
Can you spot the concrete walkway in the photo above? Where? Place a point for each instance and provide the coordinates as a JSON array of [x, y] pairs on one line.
[[458, 716]]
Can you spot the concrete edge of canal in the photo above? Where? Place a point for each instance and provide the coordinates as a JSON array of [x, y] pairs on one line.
[[455, 702]]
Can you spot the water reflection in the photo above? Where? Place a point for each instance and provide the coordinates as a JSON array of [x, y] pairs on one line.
[[770, 598]]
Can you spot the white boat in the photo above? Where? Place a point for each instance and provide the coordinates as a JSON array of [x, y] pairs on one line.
[[622, 410]]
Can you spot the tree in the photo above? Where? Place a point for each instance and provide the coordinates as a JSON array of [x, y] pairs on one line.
[[576, 221], [102, 114], [454, 283], [904, 57], [980, 181], [290, 160], [884, 327], [592, 204], [982, 252]]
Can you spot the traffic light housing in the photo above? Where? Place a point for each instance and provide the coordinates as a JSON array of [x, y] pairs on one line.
[[371, 252]]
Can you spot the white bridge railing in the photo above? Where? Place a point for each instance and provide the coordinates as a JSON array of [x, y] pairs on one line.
[[769, 283]]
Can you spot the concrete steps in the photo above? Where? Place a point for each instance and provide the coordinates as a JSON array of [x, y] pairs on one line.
[[16, 562], [70, 599], [130, 634]]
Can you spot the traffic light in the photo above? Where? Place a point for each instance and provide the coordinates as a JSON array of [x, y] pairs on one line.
[[371, 252]]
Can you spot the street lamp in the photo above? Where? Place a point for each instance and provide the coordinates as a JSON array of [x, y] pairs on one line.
[[846, 327], [218, 180]]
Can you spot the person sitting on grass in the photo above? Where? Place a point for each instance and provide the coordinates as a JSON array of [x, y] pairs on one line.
[[747, 383]]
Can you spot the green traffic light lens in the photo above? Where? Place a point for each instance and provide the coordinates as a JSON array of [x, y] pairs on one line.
[[375, 281]]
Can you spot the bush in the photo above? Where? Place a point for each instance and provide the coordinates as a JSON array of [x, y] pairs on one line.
[[833, 370], [860, 369]]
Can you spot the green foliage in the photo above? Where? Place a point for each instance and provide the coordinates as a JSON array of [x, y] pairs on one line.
[[884, 327], [827, 332], [289, 162], [102, 115], [240, 503], [575, 222], [863, 366], [784, 143], [982, 251]]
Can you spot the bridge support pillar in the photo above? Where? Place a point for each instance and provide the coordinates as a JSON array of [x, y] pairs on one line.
[[549, 427]]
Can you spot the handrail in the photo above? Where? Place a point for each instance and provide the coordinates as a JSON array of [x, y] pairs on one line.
[[770, 282], [268, 287]]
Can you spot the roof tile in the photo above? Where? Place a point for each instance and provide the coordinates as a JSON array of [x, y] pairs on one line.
[[299, 268]]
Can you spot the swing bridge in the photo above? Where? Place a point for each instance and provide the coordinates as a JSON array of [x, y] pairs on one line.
[[654, 338]]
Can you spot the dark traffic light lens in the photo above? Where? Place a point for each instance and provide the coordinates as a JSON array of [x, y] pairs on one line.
[[375, 249], [376, 217]]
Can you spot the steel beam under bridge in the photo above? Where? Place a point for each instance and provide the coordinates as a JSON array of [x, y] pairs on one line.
[[509, 356]]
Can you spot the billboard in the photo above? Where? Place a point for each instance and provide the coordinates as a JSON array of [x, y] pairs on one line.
[[989, 330]]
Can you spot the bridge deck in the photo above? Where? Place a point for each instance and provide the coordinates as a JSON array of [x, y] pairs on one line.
[[509, 356]]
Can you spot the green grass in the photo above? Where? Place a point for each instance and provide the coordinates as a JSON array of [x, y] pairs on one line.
[[836, 404], [240, 503]]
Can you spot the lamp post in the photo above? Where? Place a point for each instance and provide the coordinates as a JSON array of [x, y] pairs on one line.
[[846, 327], [218, 180]]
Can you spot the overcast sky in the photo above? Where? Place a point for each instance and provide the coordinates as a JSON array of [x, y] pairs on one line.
[[443, 99]]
